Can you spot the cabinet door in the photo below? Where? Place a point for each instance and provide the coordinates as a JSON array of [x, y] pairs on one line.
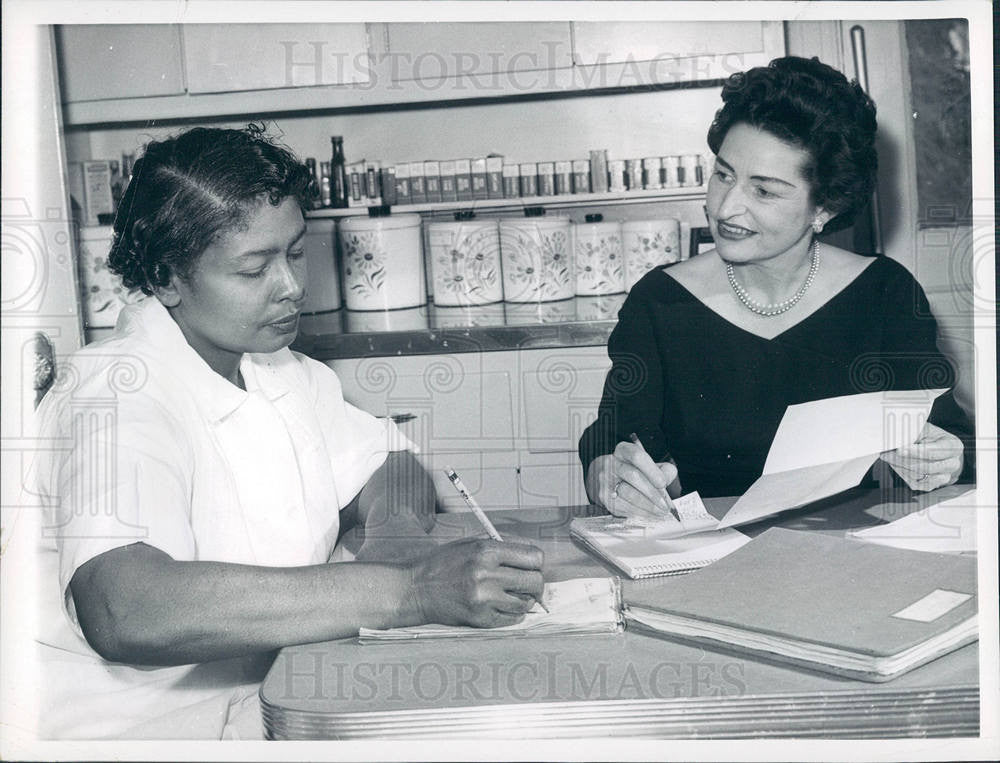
[[560, 390], [432, 53], [230, 57], [98, 61], [673, 51]]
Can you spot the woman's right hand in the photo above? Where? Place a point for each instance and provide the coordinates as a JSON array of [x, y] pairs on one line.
[[483, 583], [628, 483]]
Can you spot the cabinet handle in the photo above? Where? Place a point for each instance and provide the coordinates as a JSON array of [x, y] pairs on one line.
[[400, 418]]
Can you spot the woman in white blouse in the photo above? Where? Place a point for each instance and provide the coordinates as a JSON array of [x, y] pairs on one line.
[[208, 471]]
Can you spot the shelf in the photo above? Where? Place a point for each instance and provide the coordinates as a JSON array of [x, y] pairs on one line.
[[691, 193]]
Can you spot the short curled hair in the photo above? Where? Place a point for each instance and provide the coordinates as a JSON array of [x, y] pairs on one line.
[[812, 106], [190, 189]]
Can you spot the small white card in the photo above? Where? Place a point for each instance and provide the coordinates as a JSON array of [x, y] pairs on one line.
[[932, 606]]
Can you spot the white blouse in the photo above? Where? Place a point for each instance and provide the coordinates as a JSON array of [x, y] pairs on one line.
[[152, 446]]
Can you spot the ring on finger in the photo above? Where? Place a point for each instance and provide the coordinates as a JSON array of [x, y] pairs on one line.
[[615, 489]]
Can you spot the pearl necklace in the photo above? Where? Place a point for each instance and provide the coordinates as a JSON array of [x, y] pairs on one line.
[[779, 307]]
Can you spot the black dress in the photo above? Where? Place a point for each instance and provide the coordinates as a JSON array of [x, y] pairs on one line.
[[699, 388]]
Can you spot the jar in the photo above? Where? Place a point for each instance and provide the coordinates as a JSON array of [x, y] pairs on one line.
[[465, 262], [597, 257], [536, 256], [323, 291], [382, 262], [649, 244]]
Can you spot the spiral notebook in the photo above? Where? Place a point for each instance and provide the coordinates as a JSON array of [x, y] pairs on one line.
[[644, 550]]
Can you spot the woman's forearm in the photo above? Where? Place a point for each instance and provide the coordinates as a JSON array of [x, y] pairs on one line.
[[137, 605]]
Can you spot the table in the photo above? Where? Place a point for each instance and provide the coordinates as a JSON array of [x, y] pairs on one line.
[[612, 685]]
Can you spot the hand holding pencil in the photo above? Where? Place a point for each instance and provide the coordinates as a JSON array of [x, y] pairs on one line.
[[628, 483]]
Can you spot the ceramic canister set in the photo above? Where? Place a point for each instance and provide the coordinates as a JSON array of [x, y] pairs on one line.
[[479, 262]]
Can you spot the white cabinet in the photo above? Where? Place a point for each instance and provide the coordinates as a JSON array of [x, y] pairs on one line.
[[433, 53], [624, 53], [507, 422], [222, 58], [99, 62]]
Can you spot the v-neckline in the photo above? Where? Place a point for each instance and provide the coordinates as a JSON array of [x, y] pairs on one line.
[[791, 328]]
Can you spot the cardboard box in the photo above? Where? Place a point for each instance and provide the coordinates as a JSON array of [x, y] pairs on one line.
[[599, 171], [494, 177], [418, 191], [564, 177], [463, 179], [448, 190], [432, 180], [403, 184], [581, 176], [478, 168], [511, 181], [529, 179], [546, 179]]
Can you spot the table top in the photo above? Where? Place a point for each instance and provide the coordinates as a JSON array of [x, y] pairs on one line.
[[626, 684]]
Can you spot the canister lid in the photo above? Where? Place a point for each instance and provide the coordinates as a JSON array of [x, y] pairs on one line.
[[393, 222]]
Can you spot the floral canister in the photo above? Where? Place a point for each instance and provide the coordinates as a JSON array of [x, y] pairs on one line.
[[323, 281], [382, 262], [465, 262], [649, 244], [103, 293], [597, 257], [536, 256]]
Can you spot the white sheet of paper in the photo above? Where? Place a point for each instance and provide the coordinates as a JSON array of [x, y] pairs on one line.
[[945, 527], [842, 428], [826, 446]]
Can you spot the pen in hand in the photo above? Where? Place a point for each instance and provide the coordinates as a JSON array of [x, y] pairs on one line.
[[479, 514], [670, 503]]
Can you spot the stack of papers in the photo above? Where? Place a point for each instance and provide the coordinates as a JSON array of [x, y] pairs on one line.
[[582, 605], [946, 527]]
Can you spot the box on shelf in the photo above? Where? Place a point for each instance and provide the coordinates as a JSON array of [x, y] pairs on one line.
[[599, 171], [448, 190], [388, 184], [432, 180], [373, 175], [403, 184], [99, 204], [581, 176], [511, 181], [463, 179], [494, 177], [671, 171], [478, 169], [546, 179], [418, 191], [529, 179], [563, 178], [358, 182]]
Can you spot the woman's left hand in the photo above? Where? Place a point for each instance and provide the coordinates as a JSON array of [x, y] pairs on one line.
[[933, 461]]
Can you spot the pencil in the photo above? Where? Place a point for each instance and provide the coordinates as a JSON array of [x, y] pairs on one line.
[[479, 513], [670, 504]]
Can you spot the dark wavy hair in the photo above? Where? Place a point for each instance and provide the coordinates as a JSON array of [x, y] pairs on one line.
[[812, 106], [190, 189]]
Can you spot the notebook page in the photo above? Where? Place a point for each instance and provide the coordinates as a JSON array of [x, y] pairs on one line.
[[581, 605]]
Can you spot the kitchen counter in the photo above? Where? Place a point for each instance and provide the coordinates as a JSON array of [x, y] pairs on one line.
[[433, 330]]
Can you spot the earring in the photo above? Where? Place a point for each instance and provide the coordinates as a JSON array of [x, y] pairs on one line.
[[817, 226]]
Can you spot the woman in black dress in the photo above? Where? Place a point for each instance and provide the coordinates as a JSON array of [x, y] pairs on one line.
[[708, 353]]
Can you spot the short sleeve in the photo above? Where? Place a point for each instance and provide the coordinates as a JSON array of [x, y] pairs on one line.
[[119, 475], [357, 442]]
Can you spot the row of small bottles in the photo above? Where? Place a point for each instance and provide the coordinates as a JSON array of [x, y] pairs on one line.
[[330, 188]]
